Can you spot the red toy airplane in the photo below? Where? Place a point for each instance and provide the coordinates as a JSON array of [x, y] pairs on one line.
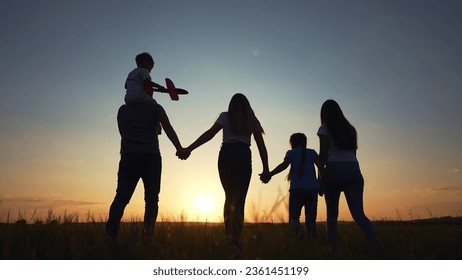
[[171, 90]]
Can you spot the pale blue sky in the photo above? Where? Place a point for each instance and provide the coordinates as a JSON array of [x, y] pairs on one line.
[[395, 67]]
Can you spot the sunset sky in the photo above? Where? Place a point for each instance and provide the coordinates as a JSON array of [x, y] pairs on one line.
[[395, 67]]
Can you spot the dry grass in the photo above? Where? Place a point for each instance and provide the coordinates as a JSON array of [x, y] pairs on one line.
[[67, 237]]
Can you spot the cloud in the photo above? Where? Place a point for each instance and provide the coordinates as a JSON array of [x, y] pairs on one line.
[[454, 170], [454, 189], [24, 202], [437, 205], [34, 200], [30, 208]]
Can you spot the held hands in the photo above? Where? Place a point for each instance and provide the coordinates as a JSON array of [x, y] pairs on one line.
[[322, 187], [265, 177], [183, 153]]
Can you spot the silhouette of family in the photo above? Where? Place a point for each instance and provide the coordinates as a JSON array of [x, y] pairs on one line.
[[139, 122]]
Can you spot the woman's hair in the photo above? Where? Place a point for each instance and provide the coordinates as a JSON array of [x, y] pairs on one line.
[[298, 140], [241, 118], [144, 59], [343, 133]]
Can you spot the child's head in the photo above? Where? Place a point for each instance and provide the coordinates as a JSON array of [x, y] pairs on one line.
[[298, 140], [145, 60]]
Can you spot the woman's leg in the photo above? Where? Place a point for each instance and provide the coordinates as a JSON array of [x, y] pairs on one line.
[[235, 169], [354, 189], [354, 198], [332, 197], [226, 182]]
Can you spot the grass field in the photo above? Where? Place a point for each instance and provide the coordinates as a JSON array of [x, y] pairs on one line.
[[436, 239]]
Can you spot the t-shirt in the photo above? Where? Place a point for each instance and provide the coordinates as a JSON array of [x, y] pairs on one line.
[[308, 179], [138, 127], [229, 137], [134, 85], [334, 153]]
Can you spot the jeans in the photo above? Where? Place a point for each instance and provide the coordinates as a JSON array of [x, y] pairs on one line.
[[303, 198], [235, 169], [346, 177], [132, 167]]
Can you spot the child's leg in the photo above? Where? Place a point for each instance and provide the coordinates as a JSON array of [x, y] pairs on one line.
[[295, 209], [311, 210], [137, 98]]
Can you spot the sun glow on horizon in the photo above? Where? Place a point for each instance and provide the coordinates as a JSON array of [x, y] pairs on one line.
[[204, 205]]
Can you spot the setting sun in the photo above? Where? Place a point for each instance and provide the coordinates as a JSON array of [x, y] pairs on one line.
[[204, 203]]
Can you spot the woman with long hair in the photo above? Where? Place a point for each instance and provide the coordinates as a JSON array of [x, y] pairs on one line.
[[234, 161], [341, 173]]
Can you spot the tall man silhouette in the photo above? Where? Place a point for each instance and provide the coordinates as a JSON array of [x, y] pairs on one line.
[[140, 159]]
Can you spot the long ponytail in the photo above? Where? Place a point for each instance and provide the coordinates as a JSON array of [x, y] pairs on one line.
[[298, 140]]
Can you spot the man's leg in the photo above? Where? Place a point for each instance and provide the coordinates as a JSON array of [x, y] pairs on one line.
[[151, 179], [126, 184]]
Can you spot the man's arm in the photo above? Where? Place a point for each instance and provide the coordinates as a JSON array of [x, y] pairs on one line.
[[171, 134]]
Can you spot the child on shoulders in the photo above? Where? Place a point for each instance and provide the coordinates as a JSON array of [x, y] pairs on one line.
[[138, 85]]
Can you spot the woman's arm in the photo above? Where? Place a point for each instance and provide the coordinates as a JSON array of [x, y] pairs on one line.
[[323, 149], [322, 160], [205, 137], [262, 150], [317, 162]]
